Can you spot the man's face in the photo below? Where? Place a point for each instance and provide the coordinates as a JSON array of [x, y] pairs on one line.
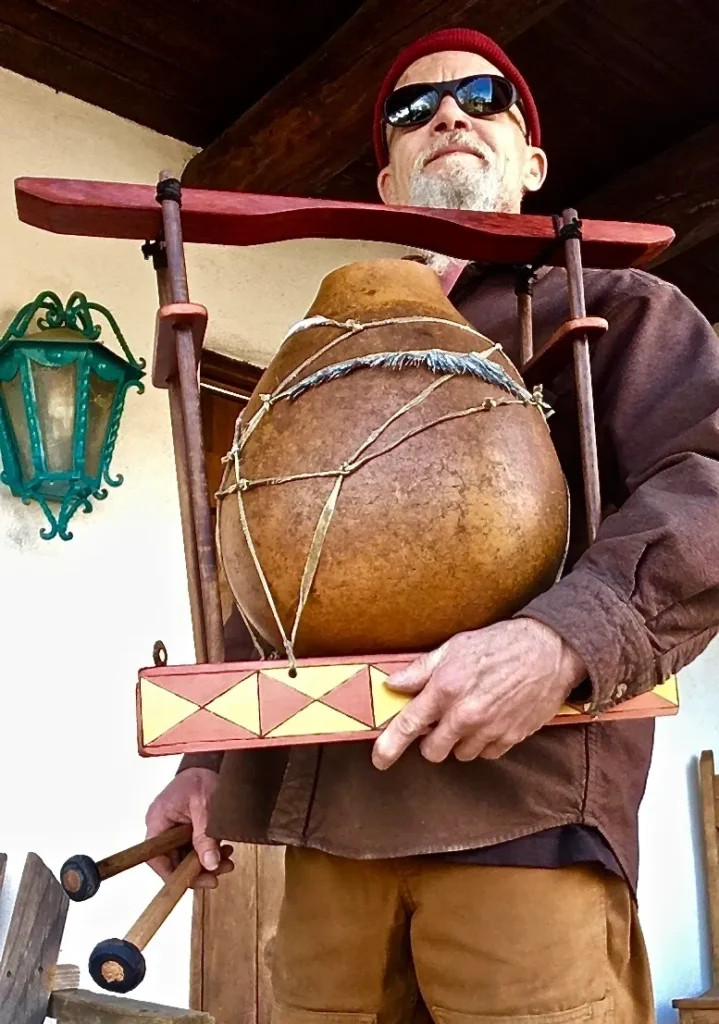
[[456, 161]]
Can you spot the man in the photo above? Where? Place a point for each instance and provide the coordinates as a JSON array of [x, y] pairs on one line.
[[486, 870]]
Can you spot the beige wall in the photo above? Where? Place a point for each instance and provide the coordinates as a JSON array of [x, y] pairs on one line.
[[78, 619]]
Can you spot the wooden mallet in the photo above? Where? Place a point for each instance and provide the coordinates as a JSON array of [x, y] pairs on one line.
[[117, 965], [80, 876]]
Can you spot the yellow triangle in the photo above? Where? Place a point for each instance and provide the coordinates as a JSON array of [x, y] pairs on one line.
[[314, 680], [567, 709], [669, 690], [160, 710], [316, 720], [386, 703], [240, 705]]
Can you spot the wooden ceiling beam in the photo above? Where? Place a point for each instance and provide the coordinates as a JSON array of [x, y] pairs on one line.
[[318, 120], [678, 188]]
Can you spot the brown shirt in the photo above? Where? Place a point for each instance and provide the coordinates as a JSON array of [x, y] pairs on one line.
[[639, 604]]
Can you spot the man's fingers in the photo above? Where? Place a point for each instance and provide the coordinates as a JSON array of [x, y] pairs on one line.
[[208, 850], [205, 880], [208, 879], [416, 676], [161, 817], [163, 866], [472, 746], [410, 723], [451, 729]]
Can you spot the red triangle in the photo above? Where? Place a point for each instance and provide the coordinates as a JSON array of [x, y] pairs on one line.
[[278, 703], [353, 698], [201, 727], [200, 687], [392, 666]]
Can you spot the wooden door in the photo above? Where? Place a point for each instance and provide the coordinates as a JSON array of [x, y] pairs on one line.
[[233, 927]]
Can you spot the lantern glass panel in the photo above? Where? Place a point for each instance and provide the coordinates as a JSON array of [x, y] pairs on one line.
[[15, 404], [55, 388], [102, 396]]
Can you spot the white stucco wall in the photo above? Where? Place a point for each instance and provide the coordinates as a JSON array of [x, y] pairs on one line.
[[78, 619]]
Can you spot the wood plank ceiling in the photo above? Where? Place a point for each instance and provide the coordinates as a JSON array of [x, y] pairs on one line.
[[281, 94]]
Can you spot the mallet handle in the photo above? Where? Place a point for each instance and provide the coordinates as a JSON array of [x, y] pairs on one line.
[[157, 912], [165, 842]]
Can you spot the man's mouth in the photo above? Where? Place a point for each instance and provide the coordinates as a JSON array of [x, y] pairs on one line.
[[452, 149]]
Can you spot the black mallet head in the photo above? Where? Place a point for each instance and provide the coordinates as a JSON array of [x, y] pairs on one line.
[[80, 877], [117, 965]]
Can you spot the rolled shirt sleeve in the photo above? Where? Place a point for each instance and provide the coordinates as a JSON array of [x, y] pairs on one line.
[[643, 600]]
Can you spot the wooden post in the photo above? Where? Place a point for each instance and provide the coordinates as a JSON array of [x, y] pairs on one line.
[[32, 945], [704, 1009], [711, 853], [583, 382], [80, 1007]]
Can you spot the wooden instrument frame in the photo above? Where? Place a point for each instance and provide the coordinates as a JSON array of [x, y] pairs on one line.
[[168, 217], [110, 210]]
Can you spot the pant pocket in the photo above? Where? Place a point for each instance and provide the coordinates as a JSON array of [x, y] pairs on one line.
[[292, 1015], [598, 1012]]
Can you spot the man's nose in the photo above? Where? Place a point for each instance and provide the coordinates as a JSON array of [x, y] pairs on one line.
[[450, 117]]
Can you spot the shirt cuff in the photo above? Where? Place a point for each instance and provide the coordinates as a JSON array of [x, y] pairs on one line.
[[604, 631]]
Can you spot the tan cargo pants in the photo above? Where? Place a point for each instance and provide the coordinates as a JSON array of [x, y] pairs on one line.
[[400, 941]]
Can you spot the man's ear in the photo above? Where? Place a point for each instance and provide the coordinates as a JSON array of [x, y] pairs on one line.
[[385, 186], [535, 169]]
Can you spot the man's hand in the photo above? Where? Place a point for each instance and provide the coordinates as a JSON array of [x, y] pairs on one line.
[[187, 800], [481, 693]]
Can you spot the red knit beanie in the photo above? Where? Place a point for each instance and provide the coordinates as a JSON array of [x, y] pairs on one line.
[[453, 39]]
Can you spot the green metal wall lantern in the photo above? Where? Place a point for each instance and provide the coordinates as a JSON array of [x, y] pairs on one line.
[[61, 399]]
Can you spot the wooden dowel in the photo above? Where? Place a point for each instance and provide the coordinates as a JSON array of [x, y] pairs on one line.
[[526, 338], [157, 912], [191, 453], [583, 383], [207, 561], [711, 853], [164, 294], [165, 842], [188, 523]]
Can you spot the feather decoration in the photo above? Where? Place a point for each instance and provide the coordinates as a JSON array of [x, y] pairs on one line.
[[438, 360]]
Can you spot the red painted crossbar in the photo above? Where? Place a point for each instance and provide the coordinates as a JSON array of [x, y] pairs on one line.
[[111, 210]]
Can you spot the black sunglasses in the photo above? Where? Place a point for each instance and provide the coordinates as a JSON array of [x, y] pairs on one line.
[[477, 96]]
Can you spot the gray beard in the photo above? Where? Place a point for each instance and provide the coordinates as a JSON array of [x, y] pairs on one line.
[[458, 188]]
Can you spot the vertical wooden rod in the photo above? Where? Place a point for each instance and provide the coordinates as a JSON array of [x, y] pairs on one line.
[[194, 456], [583, 383], [526, 336], [164, 292], [192, 418], [707, 791]]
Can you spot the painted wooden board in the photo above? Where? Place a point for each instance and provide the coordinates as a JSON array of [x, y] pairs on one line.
[[81, 1007], [192, 708], [32, 945], [111, 210]]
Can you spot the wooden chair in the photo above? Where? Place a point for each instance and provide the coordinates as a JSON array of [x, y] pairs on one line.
[[704, 1009], [33, 986]]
